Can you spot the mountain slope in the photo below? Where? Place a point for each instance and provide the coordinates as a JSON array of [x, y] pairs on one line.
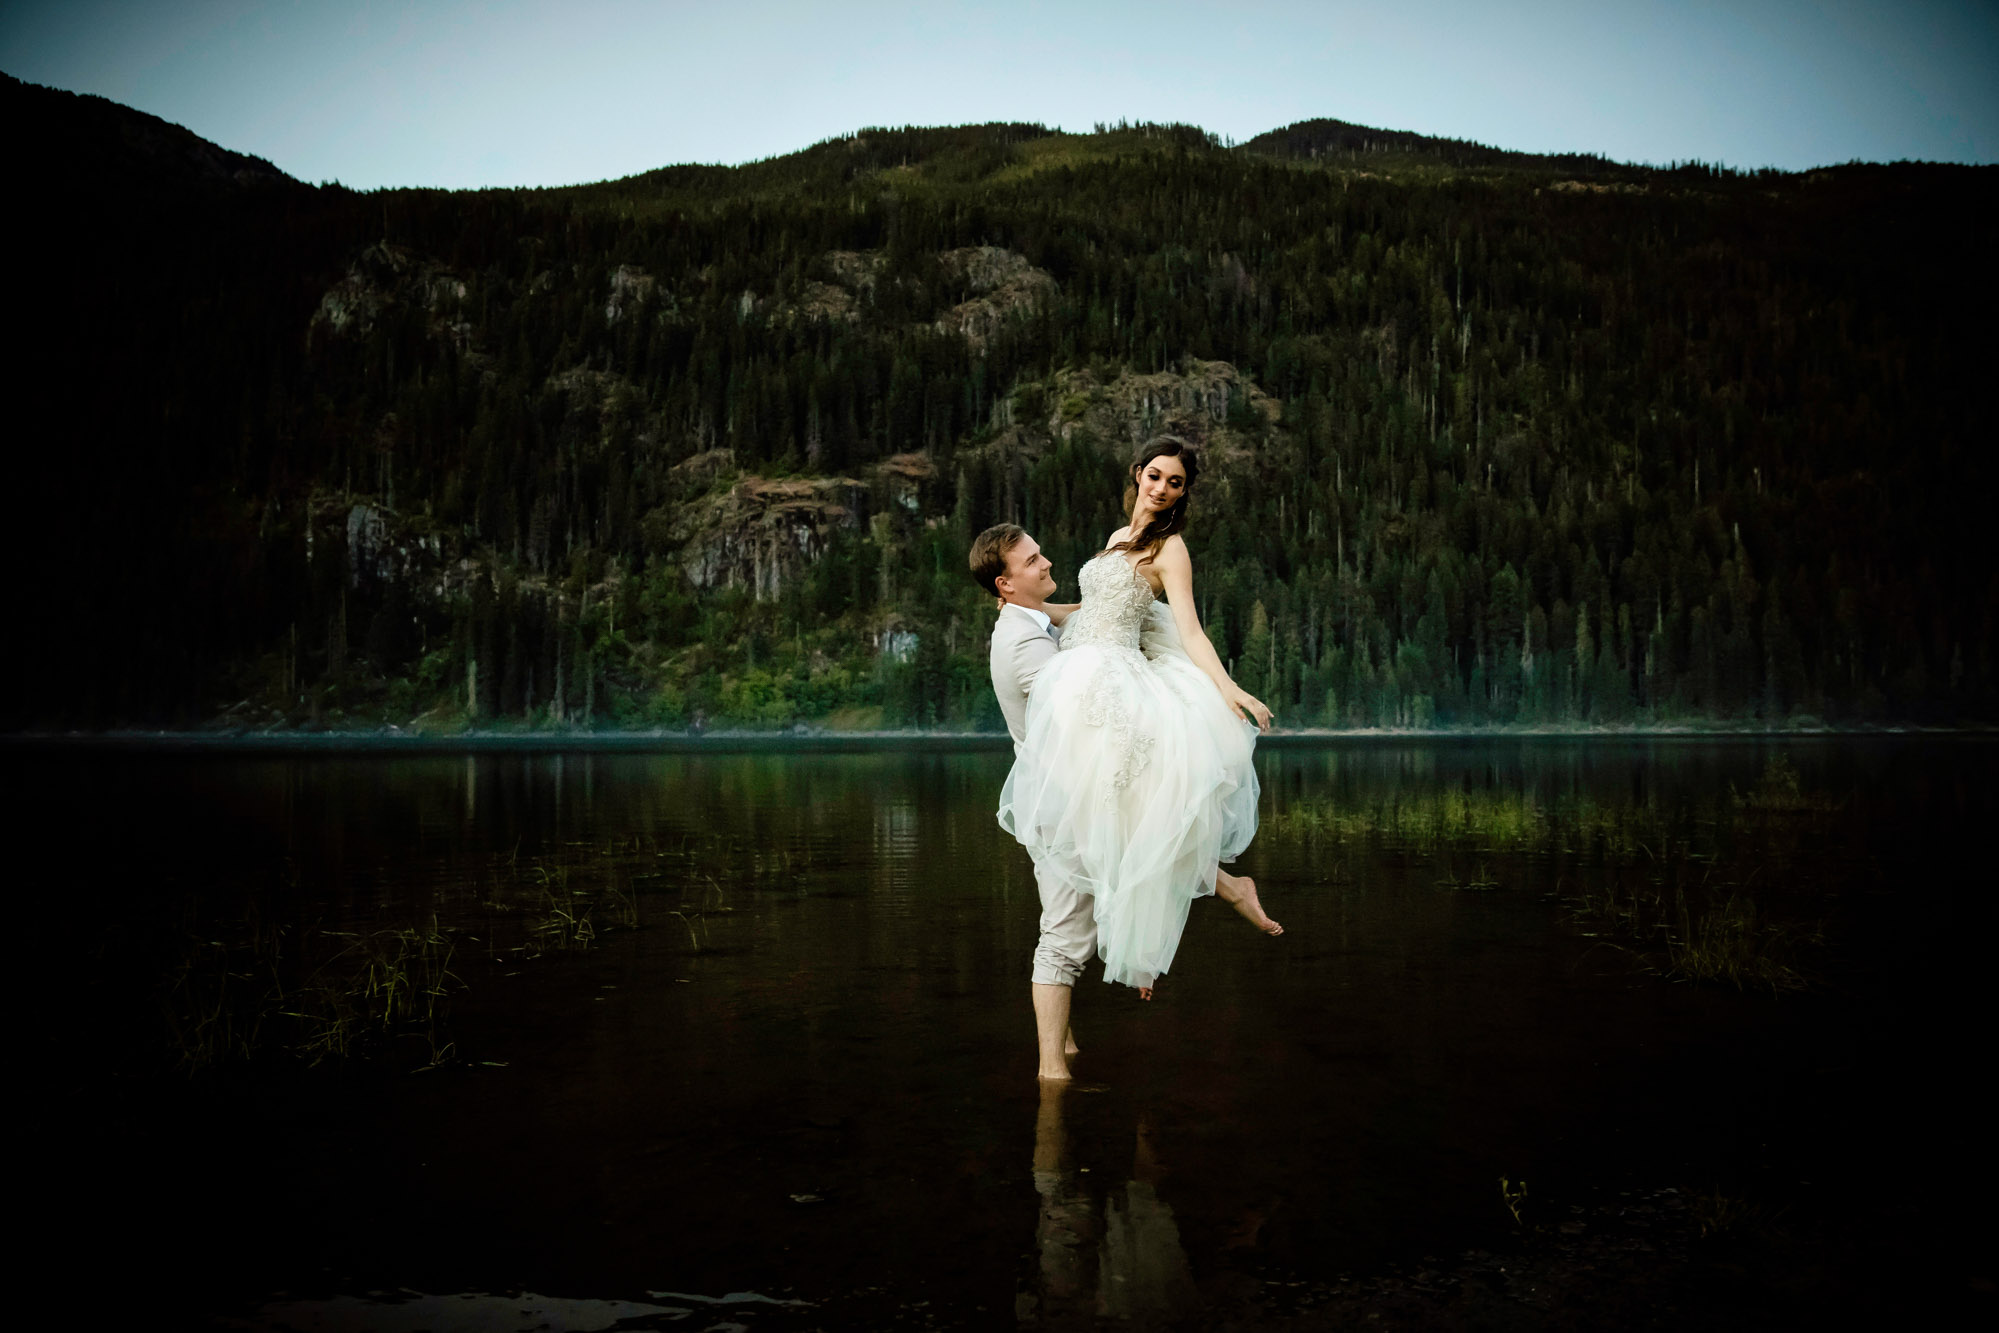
[[76, 141], [1491, 440], [1336, 141]]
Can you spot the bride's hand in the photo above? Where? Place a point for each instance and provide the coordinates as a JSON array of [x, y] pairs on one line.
[[1248, 706]]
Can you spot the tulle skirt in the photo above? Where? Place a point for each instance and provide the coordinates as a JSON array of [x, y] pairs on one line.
[[1134, 783]]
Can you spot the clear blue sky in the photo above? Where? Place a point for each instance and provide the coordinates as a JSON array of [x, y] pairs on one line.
[[504, 92]]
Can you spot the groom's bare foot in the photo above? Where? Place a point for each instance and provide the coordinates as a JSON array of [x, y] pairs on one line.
[[1239, 892], [1069, 1046], [1052, 1073]]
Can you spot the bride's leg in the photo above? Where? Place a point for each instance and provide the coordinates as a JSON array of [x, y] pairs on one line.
[[1239, 892]]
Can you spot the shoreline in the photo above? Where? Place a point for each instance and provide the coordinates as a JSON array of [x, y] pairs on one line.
[[817, 740]]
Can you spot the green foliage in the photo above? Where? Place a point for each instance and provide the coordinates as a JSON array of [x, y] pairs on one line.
[[1505, 439]]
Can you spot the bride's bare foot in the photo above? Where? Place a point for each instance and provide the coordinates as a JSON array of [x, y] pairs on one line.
[[1239, 892], [1145, 992]]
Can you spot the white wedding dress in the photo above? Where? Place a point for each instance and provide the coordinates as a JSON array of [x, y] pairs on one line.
[[1135, 780]]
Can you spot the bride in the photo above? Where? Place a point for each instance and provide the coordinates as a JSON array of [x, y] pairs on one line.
[[1135, 780]]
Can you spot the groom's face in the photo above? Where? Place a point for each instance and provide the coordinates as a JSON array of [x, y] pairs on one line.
[[1029, 577]]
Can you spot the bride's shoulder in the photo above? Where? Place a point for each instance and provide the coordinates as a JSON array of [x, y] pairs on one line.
[[1117, 537]]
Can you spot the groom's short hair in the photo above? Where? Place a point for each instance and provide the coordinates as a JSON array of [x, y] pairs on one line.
[[989, 550]]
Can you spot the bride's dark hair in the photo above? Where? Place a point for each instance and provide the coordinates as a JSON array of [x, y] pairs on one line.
[[1167, 521]]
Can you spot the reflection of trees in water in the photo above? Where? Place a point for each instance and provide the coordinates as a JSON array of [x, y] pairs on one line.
[[1617, 799], [1713, 875], [1487, 819], [1113, 1255]]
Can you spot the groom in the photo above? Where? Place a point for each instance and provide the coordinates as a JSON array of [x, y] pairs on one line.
[[1008, 563]]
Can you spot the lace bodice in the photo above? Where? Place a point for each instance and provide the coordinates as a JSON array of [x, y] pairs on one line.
[[1115, 602], [1116, 599]]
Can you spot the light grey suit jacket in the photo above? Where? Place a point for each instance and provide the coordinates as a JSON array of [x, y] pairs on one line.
[[1020, 649]]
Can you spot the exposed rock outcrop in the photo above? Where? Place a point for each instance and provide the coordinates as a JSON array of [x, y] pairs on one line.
[[697, 475], [385, 276], [373, 542], [631, 289], [817, 303], [856, 270], [988, 267], [368, 552], [1234, 424], [1003, 282], [1007, 285], [1209, 402], [823, 301], [903, 478], [761, 531]]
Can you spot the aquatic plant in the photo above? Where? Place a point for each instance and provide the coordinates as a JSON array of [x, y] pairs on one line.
[[325, 996], [381, 982], [1513, 1193], [217, 1000], [1780, 791], [1451, 880], [1718, 1215], [571, 915], [565, 921], [1710, 937], [1731, 942]]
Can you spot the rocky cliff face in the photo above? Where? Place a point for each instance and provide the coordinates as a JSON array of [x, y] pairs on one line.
[[1210, 404], [1207, 402], [1007, 285], [760, 531], [632, 289], [856, 270], [385, 277], [1003, 284], [373, 544]]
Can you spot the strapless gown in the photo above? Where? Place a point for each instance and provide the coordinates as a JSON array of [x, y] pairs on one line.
[[1135, 780]]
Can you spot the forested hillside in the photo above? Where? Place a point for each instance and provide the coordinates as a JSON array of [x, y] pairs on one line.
[[1492, 439]]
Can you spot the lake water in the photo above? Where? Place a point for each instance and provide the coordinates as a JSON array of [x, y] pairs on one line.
[[744, 1039]]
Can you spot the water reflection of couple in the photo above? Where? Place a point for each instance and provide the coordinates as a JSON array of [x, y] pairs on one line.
[[1115, 1257], [1132, 780]]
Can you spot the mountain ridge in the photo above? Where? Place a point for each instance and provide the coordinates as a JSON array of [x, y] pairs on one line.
[[89, 141], [99, 139]]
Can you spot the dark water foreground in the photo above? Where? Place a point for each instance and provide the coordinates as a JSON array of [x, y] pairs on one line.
[[1648, 1034]]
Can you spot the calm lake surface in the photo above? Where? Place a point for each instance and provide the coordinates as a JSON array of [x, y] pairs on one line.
[[723, 1030]]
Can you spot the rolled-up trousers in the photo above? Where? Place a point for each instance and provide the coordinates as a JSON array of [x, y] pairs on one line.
[[1068, 931]]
